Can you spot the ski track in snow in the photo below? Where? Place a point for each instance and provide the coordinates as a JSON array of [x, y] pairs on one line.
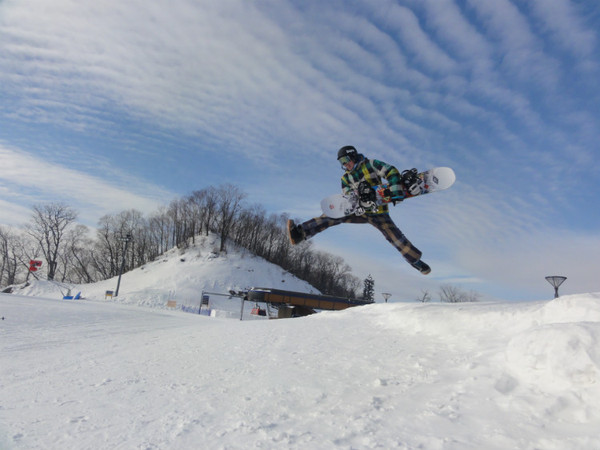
[[131, 374]]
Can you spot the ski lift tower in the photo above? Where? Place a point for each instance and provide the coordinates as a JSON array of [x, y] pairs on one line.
[[386, 295], [556, 281]]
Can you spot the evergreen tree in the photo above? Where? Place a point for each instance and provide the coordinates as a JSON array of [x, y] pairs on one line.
[[369, 289]]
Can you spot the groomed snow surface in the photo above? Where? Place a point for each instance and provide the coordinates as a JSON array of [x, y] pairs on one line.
[[104, 374]]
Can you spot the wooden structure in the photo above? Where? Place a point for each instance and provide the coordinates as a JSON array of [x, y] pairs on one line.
[[296, 304]]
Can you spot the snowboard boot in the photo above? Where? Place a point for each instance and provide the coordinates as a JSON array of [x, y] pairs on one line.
[[421, 267], [295, 232]]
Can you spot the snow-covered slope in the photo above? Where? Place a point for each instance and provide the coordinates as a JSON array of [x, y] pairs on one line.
[[182, 275], [103, 375]]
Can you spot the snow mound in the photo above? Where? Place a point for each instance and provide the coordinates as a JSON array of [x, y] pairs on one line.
[[564, 329], [538, 356]]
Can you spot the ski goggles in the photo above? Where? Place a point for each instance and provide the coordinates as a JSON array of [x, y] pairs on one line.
[[344, 160]]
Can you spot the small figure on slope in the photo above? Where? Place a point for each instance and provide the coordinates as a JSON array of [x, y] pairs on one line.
[[359, 172]]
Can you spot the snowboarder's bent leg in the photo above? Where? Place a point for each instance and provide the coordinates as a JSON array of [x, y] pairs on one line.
[[385, 224]]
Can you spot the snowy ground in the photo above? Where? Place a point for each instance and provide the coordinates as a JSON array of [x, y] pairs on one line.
[[98, 374], [91, 375]]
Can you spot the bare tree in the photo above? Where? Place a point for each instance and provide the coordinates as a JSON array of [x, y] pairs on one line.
[[17, 249], [48, 226], [209, 207], [229, 199], [9, 260], [179, 214], [453, 294], [159, 232], [77, 259], [106, 248], [424, 297], [450, 294], [472, 296], [109, 245], [132, 223], [26, 249]]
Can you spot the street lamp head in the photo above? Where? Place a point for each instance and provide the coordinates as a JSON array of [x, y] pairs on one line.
[[555, 281]]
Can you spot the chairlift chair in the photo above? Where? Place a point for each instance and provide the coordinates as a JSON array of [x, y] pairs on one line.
[[258, 311]]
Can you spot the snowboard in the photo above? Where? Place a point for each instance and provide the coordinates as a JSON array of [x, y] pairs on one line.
[[432, 180]]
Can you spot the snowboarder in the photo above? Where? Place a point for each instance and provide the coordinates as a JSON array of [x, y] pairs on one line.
[[357, 170]]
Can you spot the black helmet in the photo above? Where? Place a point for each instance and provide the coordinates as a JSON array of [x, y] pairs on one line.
[[348, 151], [346, 154]]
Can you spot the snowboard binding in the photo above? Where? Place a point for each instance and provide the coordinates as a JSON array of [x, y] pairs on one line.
[[367, 198], [410, 181]]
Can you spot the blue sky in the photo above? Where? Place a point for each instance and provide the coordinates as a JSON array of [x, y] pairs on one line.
[[115, 105]]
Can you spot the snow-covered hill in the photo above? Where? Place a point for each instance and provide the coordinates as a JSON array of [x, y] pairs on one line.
[[182, 276], [98, 374]]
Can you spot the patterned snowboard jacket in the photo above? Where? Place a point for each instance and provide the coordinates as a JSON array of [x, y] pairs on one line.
[[373, 172]]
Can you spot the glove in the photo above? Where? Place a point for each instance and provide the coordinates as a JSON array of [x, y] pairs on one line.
[[387, 193]]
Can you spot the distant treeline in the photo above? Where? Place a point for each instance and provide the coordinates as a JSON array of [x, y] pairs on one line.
[[75, 255]]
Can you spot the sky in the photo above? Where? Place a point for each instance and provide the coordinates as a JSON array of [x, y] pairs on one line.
[[117, 105]]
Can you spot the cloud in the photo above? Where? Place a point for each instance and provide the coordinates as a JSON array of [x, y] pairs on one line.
[[12, 213], [206, 70], [239, 75], [521, 52], [562, 20], [234, 76], [27, 180], [418, 42]]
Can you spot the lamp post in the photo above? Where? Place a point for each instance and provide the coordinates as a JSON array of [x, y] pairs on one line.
[[556, 281], [125, 239]]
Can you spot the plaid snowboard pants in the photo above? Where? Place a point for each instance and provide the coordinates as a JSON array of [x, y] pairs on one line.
[[383, 222]]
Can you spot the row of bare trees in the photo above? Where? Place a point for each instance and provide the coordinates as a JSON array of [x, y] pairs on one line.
[[73, 254], [450, 294]]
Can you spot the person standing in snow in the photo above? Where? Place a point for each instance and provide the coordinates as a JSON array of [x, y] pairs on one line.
[[359, 172]]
